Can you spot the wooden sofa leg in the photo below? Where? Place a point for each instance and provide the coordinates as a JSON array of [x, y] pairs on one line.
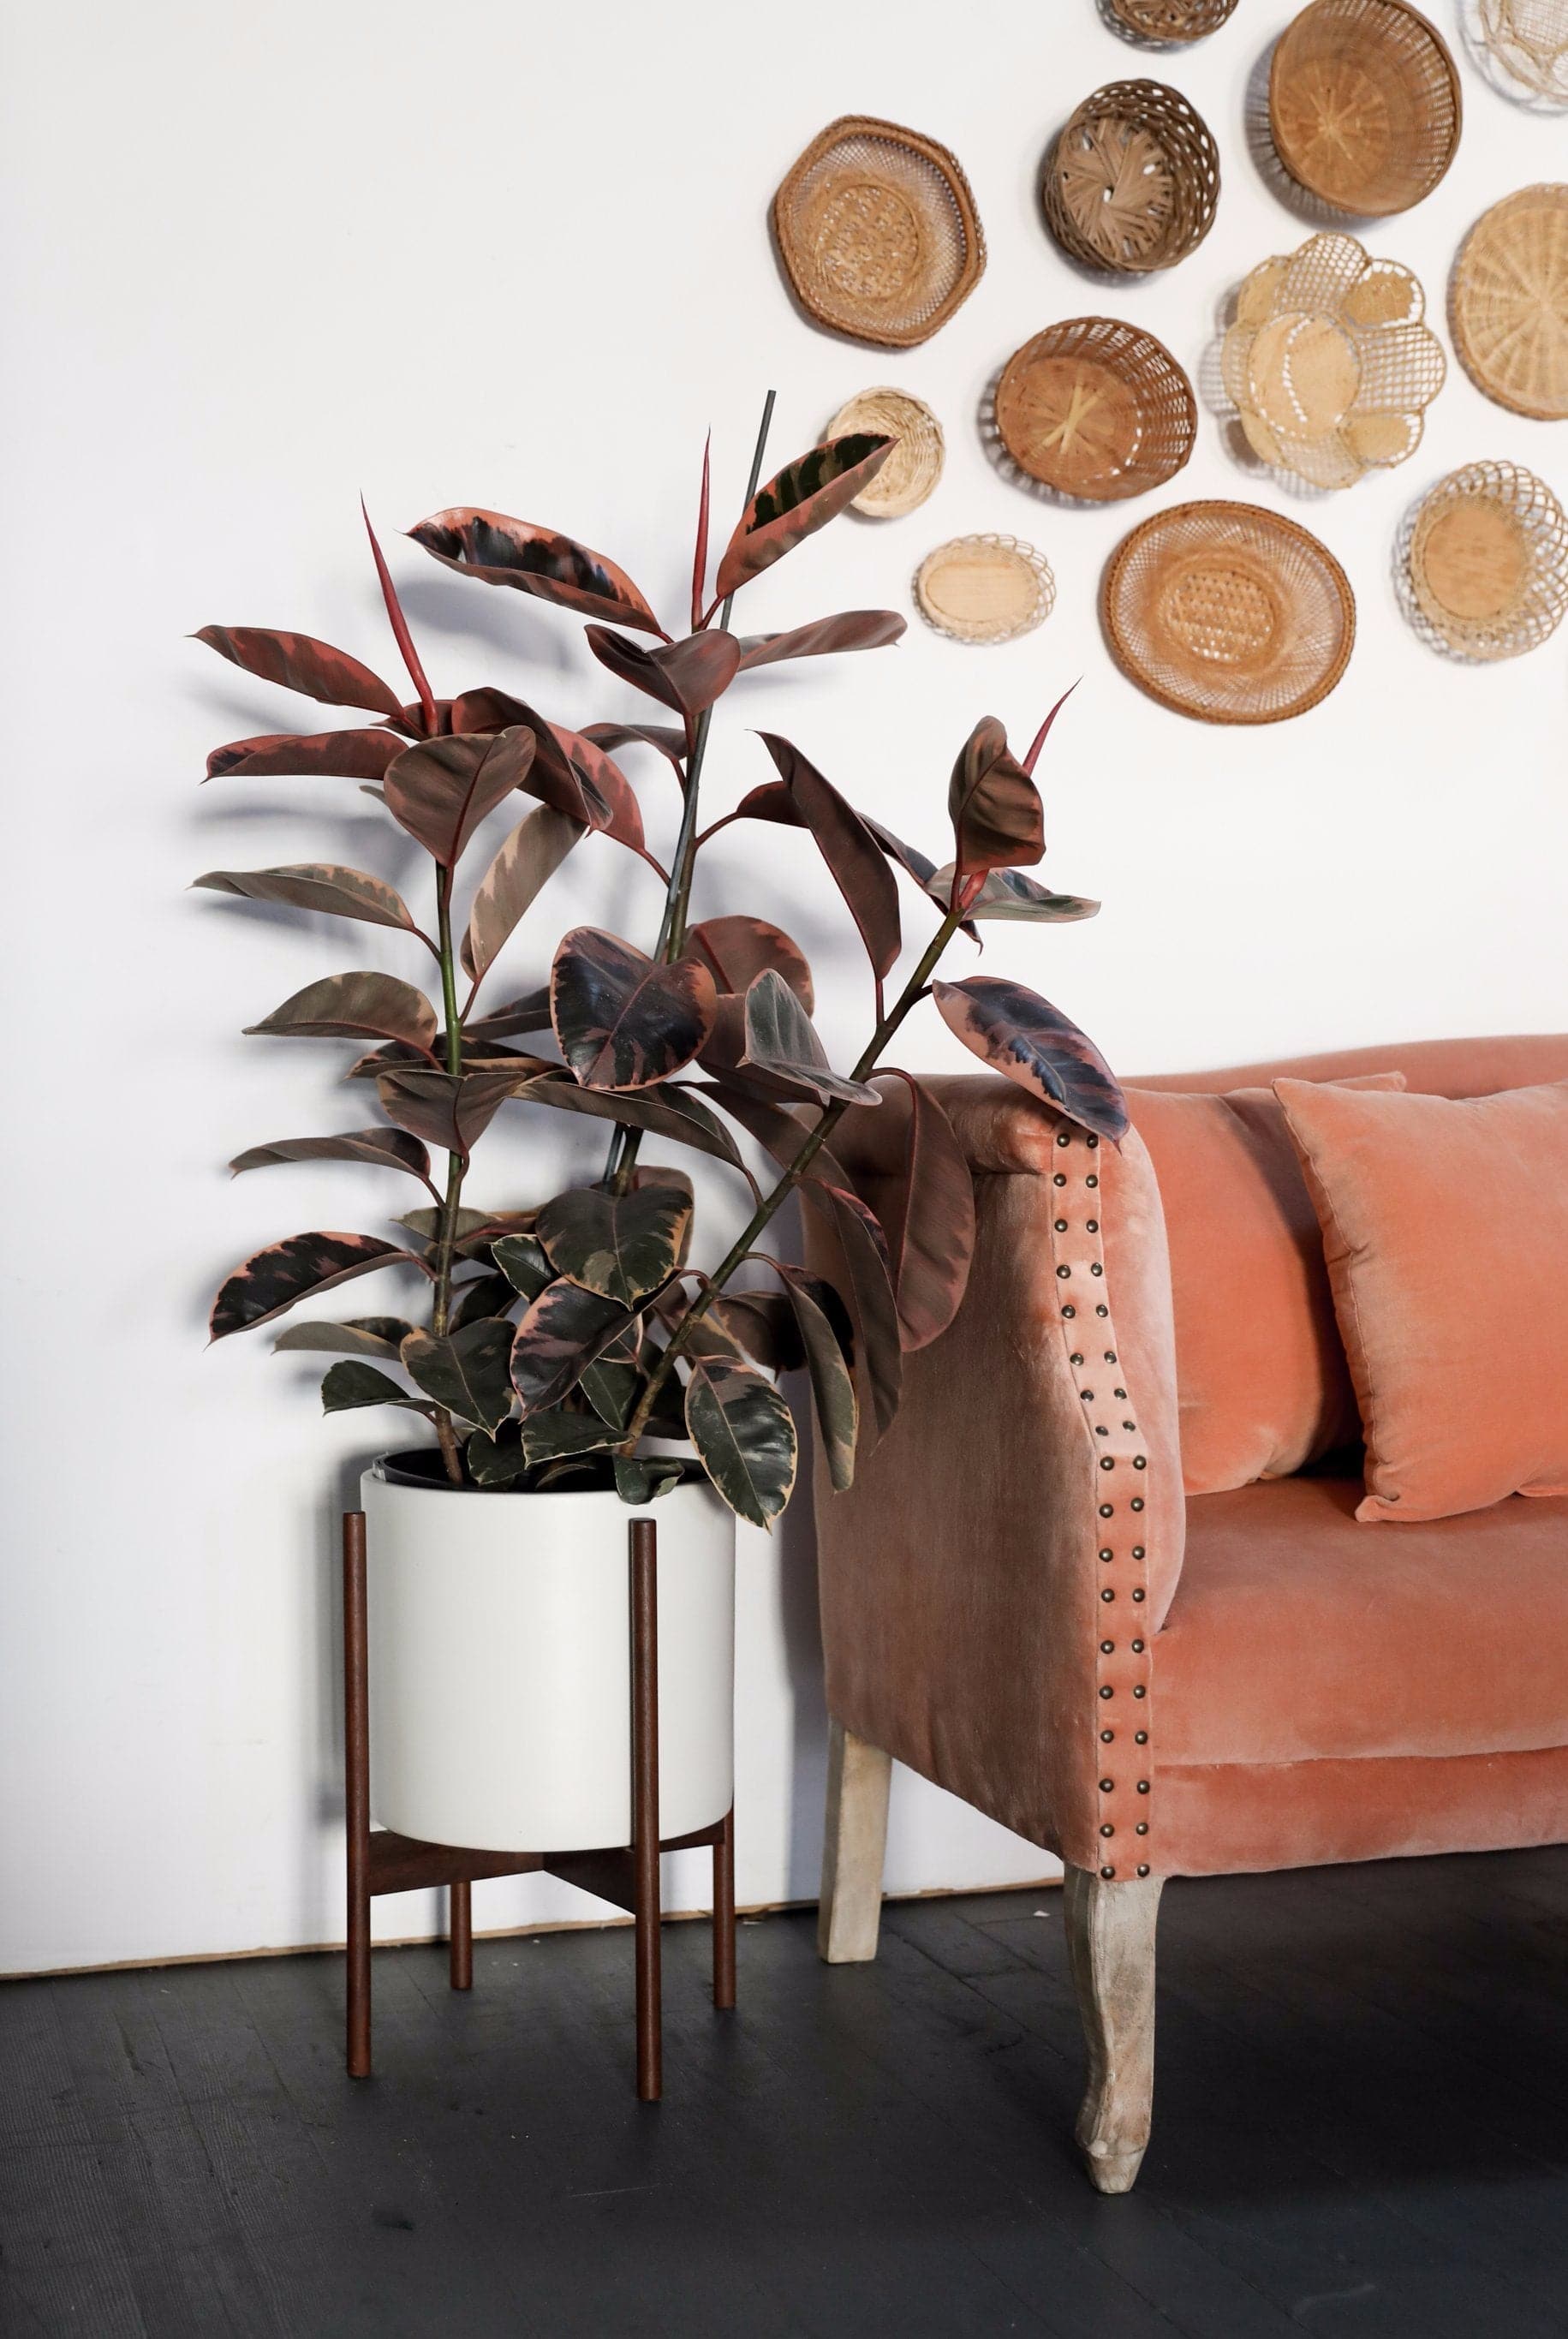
[[854, 1847], [1111, 1943]]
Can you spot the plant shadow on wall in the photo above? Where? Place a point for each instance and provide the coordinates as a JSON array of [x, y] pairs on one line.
[[571, 1340]]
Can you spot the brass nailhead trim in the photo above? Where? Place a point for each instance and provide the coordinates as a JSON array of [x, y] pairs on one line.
[[1108, 1873], [1143, 1868]]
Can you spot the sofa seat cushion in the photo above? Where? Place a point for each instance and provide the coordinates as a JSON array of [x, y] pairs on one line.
[[1296, 1636]]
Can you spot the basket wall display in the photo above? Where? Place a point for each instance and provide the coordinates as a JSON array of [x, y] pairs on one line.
[[1363, 105], [1329, 362], [985, 588], [1527, 42], [1097, 407], [1171, 20], [1228, 612], [1131, 181], [1508, 303], [1487, 562], [912, 470], [878, 232]]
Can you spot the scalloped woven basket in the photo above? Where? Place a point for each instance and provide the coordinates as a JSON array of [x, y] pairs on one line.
[[1131, 181], [1527, 42], [1363, 105], [1172, 20], [1097, 407], [985, 588], [878, 232], [1228, 612], [912, 470], [1508, 302], [1487, 562]]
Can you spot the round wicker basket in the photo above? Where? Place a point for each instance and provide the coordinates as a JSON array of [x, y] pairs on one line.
[[1363, 105], [1508, 302], [878, 232], [1487, 562], [911, 471], [1097, 407], [1527, 43], [1171, 20], [1228, 612], [985, 588], [1131, 181]]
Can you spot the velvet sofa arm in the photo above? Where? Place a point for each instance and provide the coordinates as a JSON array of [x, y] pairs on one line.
[[962, 1581]]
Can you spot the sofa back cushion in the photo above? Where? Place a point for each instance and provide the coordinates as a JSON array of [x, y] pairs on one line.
[[1261, 1375], [1447, 1068], [1446, 1230]]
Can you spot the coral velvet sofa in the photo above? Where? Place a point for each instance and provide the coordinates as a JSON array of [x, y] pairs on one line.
[[1037, 1617]]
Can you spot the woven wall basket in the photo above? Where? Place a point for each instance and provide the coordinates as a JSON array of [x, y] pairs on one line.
[[1329, 363], [1508, 303], [1096, 408], [985, 588], [1171, 20], [1527, 42], [1363, 105], [1487, 562], [1132, 180], [914, 466], [878, 232], [1228, 612]]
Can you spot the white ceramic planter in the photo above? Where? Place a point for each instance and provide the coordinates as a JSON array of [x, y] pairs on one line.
[[500, 1664]]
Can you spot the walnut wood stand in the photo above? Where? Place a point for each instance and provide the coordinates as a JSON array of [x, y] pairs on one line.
[[628, 1875]]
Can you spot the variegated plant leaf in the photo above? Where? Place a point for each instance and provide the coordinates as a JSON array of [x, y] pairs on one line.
[[738, 948], [450, 1111], [663, 737], [1009, 893], [828, 1341], [611, 804], [851, 629], [333, 755], [502, 551], [522, 1260], [485, 1294], [362, 1336], [362, 1005], [530, 857], [664, 1110], [625, 1020], [496, 1461], [688, 675], [552, 1436], [466, 1372], [760, 1325], [442, 789], [1015, 1032], [529, 1013], [348, 1386], [271, 1282], [562, 1332], [783, 1047], [803, 497], [317, 885], [853, 853], [387, 1148], [621, 1246], [745, 1435], [643, 1478], [930, 1222], [994, 805], [872, 1299], [300, 662]]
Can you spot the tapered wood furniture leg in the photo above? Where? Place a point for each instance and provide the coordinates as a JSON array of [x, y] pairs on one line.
[[357, 1794], [644, 1538], [725, 1914], [854, 1846], [1110, 1932], [460, 1927]]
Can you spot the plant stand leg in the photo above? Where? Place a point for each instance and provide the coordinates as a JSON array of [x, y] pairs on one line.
[[357, 1791], [460, 1927], [854, 1844], [644, 1540], [1110, 1932], [725, 1914]]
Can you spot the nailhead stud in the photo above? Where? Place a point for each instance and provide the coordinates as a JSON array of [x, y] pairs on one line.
[[1093, 1143], [1137, 1551], [1075, 1358], [1143, 1786], [1107, 1786], [1138, 1690], [1137, 1502], [1060, 1226], [1108, 1461], [1140, 1461], [1121, 1393], [1102, 1309], [1108, 1873], [1107, 1736], [1142, 1828], [1107, 1692], [1108, 1648], [1101, 1430], [1140, 1737], [1106, 1552], [1129, 1425], [1092, 1225], [1111, 1355], [1106, 1829], [1069, 1311], [1107, 1594], [1143, 1868], [1064, 1138], [1136, 1647], [1092, 1181], [1059, 1179], [1137, 1595], [1064, 1270], [1107, 1510], [1096, 1268]]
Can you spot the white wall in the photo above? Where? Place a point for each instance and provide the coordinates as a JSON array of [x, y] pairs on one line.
[[260, 260]]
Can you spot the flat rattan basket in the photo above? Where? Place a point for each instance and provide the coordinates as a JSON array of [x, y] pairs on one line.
[[1487, 562], [1171, 20], [1508, 303], [985, 588], [915, 466], [1097, 407], [878, 232], [1132, 180], [1228, 612], [1526, 44], [1363, 105]]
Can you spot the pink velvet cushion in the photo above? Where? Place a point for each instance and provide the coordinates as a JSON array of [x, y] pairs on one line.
[[1261, 1378], [1446, 1230]]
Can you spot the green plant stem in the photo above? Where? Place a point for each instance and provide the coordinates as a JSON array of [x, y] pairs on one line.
[[812, 1145], [447, 1238]]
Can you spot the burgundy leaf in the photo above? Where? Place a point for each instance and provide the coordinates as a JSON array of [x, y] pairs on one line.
[[561, 1333], [623, 1020], [827, 1341], [688, 675], [803, 497], [738, 949], [670, 743], [502, 551], [853, 853], [781, 1045], [301, 663], [780, 1129], [993, 804], [612, 807], [352, 1006], [317, 885], [441, 790], [334, 754], [870, 1291], [851, 629], [1016, 1032], [1043, 733], [390, 1149], [466, 1370], [532, 854], [772, 802], [700, 550], [760, 1324], [362, 1336], [934, 882], [930, 1229], [1009, 893], [399, 625], [271, 1282], [664, 1112], [531, 1013], [744, 1432], [450, 1111]]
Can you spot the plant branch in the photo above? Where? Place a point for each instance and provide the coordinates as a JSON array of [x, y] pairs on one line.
[[446, 1239]]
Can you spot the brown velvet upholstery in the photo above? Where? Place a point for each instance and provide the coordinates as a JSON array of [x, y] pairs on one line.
[[1320, 1690]]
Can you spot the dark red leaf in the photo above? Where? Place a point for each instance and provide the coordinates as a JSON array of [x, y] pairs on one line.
[[761, 1325], [993, 804], [441, 790], [300, 663], [745, 1434], [271, 1282], [782, 1048], [450, 1111], [528, 859], [688, 675], [390, 1149], [770, 801], [561, 1333], [670, 743], [1009, 893], [670, 1111], [502, 551], [530, 1013], [851, 629], [931, 1228], [612, 807], [1016, 1032], [320, 886], [334, 754], [700, 552], [350, 1007], [827, 1340], [870, 1291], [1043, 733], [853, 853], [738, 949], [399, 625], [803, 497], [623, 1020]]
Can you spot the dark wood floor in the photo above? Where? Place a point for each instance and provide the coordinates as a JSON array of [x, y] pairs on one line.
[[1362, 2128]]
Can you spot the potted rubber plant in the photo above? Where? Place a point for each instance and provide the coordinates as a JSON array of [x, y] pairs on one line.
[[571, 1359]]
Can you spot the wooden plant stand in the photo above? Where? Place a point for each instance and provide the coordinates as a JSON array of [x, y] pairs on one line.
[[628, 1875]]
